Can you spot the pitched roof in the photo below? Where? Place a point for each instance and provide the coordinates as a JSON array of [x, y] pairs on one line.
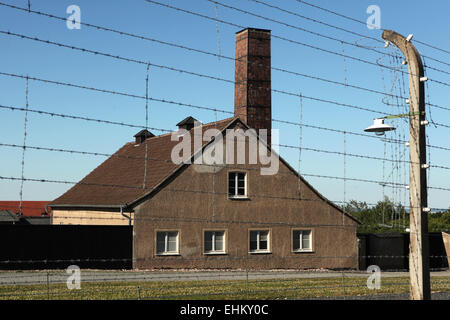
[[29, 208], [145, 133], [120, 179], [188, 120], [8, 216]]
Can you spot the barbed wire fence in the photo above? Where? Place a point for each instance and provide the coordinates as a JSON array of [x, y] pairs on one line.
[[246, 283]]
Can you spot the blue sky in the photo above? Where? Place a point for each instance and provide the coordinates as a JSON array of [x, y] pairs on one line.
[[428, 21]]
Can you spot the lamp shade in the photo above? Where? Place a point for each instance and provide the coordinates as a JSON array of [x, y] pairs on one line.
[[379, 127]]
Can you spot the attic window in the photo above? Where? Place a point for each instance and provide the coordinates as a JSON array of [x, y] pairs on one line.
[[237, 185]]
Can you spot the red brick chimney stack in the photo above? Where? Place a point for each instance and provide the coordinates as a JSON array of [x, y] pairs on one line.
[[252, 93]]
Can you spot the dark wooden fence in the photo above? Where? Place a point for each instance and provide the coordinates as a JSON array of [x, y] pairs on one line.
[[110, 247], [58, 246], [391, 251]]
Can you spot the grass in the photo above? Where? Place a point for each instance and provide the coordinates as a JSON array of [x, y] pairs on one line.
[[216, 289]]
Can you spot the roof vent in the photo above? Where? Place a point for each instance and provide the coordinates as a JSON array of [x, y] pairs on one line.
[[188, 123], [143, 135]]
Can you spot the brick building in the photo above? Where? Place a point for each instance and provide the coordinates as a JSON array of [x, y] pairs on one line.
[[197, 215]]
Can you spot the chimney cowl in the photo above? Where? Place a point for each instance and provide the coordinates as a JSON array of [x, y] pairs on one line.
[[188, 123], [143, 135]]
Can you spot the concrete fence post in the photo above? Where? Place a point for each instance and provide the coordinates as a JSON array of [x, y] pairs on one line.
[[419, 245]]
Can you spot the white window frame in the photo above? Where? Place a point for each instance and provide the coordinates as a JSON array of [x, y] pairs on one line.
[[258, 239], [301, 249], [213, 245], [166, 241], [236, 179]]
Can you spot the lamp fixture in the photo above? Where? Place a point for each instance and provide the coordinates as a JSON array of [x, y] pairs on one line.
[[379, 127]]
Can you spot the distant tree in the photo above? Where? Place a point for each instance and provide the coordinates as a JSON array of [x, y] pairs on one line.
[[388, 217], [439, 221], [384, 217]]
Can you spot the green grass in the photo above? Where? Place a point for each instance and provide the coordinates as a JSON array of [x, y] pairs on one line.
[[217, 289]]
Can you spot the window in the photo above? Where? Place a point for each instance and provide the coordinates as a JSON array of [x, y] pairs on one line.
[[302, 240], [259, 241], [214, 242], [167, 242], [237, 184]]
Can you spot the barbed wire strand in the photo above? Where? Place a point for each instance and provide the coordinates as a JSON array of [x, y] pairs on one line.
[[201, 107], [362, 22], [146, 126], [204, 52], [24, 144], [281, 38], [209, 76]]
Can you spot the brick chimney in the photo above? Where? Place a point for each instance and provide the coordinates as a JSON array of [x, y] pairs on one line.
[[252, 91]]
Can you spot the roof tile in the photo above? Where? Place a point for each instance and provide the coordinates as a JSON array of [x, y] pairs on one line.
[[120, 179]]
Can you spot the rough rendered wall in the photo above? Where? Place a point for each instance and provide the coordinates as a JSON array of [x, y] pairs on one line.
[[186, 205]]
